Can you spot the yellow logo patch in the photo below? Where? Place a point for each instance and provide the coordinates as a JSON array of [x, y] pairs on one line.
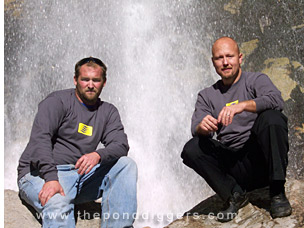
[[232, 103], [85, 129]]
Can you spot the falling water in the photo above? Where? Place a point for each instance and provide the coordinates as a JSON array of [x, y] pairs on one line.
[[154, 50]]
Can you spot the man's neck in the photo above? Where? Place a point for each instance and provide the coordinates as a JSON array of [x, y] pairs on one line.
[[231, 81], [90, 106]]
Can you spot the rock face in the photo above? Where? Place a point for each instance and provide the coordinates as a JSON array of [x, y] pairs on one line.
[[254, 215]]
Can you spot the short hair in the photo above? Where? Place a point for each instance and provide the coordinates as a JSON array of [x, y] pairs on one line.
[[93, 62]]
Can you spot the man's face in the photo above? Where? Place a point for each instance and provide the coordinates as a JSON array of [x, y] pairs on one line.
[[226, 60], [89, 84]]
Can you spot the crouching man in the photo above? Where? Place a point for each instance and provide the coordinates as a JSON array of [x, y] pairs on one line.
[[244, 110], [61, 165]]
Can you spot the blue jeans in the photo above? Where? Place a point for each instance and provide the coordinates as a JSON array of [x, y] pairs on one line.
[[115, 182]]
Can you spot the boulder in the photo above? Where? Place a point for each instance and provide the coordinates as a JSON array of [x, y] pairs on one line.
[[19, 214]]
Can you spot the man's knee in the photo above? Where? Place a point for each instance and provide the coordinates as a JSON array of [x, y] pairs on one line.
[[274, 117], [190, 150], [127, 161], [270, 118], [59, 203], [128, 164]]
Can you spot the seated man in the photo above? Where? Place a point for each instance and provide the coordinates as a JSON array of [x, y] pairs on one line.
[[244, 110], [61, 165]]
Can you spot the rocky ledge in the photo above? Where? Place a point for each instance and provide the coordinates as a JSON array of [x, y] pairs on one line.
[[18, 214], [254, 215]]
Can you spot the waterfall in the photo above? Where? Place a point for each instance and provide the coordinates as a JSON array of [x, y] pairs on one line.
[[158, 58]]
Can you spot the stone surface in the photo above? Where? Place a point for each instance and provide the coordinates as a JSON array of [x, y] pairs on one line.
[[254, 215], [18, 215]]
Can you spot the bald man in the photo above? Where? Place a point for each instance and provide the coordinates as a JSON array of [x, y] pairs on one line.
[[244, 110]]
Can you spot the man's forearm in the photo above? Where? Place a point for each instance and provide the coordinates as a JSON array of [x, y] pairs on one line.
[[248, 106]]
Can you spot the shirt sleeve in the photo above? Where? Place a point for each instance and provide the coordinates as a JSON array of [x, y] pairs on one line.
[[267, 95], [114, 138], [45, 126], [202, 109]]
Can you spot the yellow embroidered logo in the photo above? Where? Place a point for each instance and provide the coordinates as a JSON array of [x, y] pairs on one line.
[[232, 103], [85, 129]]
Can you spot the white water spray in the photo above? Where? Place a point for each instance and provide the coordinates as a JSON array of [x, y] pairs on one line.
[[155, 58]]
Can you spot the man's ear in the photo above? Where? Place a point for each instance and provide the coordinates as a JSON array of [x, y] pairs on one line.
[[104, 83], [212, 61], [240, 58], [75, 80]]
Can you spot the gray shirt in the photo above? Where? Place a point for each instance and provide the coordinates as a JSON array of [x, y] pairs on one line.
[[64, 130], [251, 86]]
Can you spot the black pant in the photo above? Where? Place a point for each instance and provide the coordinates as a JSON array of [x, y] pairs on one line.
[[262, 159]]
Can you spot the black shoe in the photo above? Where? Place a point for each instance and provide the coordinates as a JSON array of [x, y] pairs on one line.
[[280, 206], [236, 201]]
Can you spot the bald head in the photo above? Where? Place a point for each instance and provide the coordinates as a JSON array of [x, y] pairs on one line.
[[225, 40]]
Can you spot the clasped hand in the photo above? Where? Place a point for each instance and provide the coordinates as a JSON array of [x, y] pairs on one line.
[[87, 162], [209, 124]]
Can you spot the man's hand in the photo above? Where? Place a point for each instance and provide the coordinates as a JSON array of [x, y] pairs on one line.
[[207, 125], [87, 162], [49, 189], [228, 112]]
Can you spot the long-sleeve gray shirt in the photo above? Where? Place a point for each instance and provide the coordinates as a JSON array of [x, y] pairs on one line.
[[251, 86], [64, 130]]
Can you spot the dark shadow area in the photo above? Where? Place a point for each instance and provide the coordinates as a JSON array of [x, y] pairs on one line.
[[31, 209], [259, 197], [87, 211]]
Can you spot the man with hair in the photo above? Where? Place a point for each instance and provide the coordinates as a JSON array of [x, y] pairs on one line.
[[250, 150], [61, 165]]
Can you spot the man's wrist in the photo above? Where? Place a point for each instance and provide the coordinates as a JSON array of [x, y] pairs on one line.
[[200, 131], [249, 106], [99, 157]]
